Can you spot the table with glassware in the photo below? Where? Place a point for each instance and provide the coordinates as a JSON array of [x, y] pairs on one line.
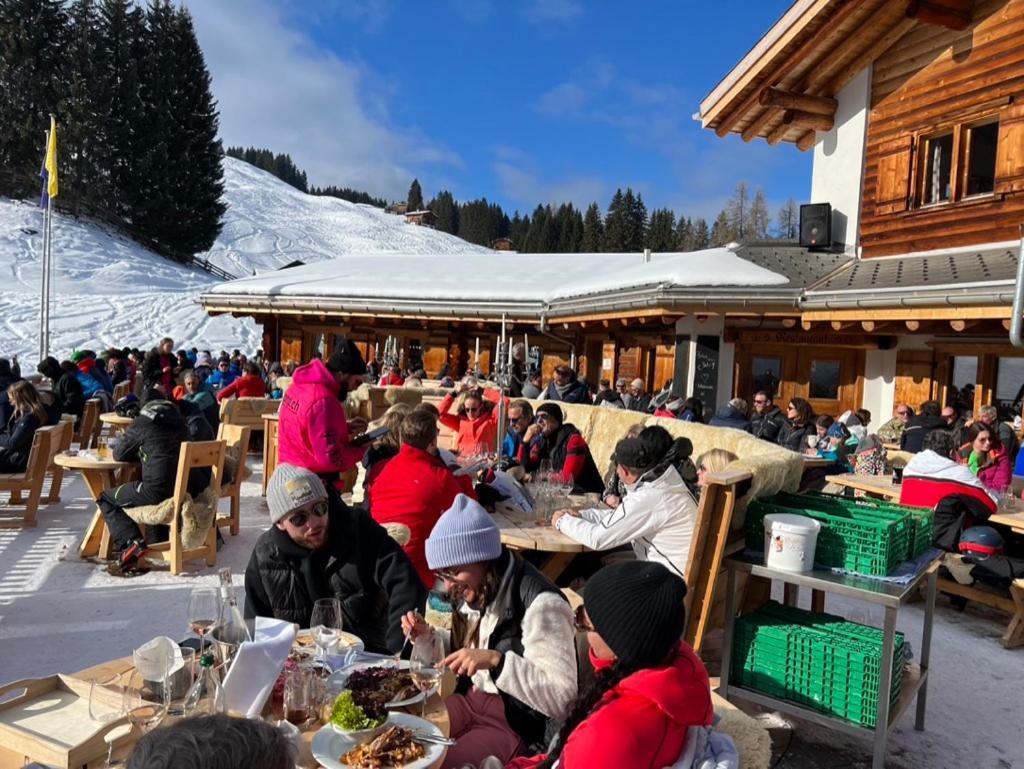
[[99, 473], [873, 485]]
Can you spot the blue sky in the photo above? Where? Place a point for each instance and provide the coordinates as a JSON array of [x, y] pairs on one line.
[[521, 102]]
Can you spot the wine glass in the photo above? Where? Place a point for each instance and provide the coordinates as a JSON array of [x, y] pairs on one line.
[[326, 622], [425, 665], [203, 608], [145, 702]]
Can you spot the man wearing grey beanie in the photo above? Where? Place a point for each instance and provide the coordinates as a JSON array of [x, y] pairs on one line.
[[318, 547]]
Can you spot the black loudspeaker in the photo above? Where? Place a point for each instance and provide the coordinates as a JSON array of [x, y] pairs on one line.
[[816, 226]]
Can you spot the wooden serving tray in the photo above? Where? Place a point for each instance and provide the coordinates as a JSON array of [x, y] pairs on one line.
[[49, 722]]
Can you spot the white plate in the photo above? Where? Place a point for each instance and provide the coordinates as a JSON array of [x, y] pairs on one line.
[[339, 680], [329, 745], [348, 642]]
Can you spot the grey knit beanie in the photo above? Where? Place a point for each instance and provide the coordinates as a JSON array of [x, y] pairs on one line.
[[464, 534], [291, 487]]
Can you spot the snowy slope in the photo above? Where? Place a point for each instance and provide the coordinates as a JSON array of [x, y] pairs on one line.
[[109, 290], [269, 224]]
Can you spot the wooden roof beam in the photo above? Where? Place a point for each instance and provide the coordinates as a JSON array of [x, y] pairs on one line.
[[728, 122], [797, 119], [841, 325], [802, 102], [777, 134], [807, 141], [962, 325], [952, 14], [876, 49], [759, 123]]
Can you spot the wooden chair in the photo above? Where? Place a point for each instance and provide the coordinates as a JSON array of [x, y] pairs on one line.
[[61, 438], [234, 437], [121, 390], [710, 544], [193, 454], [247, 412], [45, 444], [89, 425]]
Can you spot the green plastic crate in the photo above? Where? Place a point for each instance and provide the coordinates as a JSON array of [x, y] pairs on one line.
[[816, 660], [922, 517]]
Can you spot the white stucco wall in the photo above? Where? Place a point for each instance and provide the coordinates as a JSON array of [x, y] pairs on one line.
[[879, 385], [839, 160]]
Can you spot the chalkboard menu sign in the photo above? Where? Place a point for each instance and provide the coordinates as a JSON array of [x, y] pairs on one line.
[[705, 373]]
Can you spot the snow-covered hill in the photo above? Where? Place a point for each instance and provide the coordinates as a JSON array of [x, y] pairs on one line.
[[269, 224], [108, 290]]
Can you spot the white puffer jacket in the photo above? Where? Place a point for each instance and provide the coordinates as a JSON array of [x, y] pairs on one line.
[[656, 516]]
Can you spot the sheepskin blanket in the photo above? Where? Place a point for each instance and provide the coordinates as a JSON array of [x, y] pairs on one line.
[[753, 742], [197, 516]]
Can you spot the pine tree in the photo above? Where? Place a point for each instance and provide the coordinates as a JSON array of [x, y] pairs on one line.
[[738, 213], [534, 241], [570, 229], [446, 214], [414, 200], [615, 225], [760, 218], [32, 82], [593, 230], [701, 236], [684, 234], [661, 232], [634, 221], [722, 229], [789, 220], [517, 230]]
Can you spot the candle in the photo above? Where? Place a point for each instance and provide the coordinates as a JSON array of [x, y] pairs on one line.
[[476, 355]]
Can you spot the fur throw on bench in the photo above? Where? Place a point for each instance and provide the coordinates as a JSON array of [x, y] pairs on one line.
[[197, 516]]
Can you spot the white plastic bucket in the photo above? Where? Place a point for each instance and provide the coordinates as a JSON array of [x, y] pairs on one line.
[[789, 541]]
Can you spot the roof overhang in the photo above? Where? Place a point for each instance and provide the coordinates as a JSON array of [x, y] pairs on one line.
[[785, 88]]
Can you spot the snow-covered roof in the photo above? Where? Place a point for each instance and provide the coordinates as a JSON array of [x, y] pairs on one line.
[[529, 281]]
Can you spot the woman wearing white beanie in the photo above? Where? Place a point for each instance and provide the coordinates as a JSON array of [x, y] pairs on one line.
[[513, 644]]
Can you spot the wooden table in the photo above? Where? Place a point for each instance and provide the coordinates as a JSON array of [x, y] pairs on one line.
[[437, 714], [99, 475], [526, 534], [816, 461], [270, 422], [117, 422], [880, 486]]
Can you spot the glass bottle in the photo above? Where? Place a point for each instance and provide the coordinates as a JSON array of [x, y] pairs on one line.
[[206, 695], [231, 629]]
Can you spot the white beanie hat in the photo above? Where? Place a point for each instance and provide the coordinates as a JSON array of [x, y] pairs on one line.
[[291, 487]]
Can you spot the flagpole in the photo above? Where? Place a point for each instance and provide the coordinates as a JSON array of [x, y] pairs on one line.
[[49, 277], [44, 276]]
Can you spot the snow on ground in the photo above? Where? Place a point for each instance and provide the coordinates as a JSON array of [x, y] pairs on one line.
[[269, 224], [59, 613]]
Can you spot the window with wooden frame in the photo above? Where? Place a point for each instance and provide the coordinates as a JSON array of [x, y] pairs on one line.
[[974, 157]]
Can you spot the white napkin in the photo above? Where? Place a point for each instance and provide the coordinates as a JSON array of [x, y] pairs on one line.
[[256, 666], [158, 657]]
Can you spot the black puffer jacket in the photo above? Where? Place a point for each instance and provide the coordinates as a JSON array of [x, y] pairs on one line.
[[154, 438], [917, 428], [767, 425], [361, 565], [66, 387], [794, 437], [16, 443]]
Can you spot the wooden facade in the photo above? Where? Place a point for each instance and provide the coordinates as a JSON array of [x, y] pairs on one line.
[[938, 82]]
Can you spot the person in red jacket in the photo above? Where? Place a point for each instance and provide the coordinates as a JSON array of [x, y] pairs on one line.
[[249, 385], [476, 421], [313, 431], [393, 378], [413, 489], [649, 687], [552, 438]]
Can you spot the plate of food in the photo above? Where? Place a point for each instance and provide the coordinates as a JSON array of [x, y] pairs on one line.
[[355, 721], [375, 685], [407, 741], [346, 643]]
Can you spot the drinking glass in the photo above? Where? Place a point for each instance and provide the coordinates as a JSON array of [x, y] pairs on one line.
[[145, 702], [103, 447], [203, 608], [326, 623], [425, 665], [179, 682], [105, 699], [299, 688]]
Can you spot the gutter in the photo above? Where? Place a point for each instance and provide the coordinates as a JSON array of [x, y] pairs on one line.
[[909, 298]]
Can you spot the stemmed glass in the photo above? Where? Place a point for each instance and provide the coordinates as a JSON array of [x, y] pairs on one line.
[[145, 702], [425, 665], [326, 622], [203, 608]]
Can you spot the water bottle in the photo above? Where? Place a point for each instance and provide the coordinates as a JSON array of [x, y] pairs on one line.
[[231, 629], [206, 695]]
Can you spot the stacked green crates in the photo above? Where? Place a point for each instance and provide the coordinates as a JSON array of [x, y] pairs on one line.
[[819, 661], [863, 537]]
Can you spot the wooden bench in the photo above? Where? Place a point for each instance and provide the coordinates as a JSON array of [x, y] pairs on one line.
[[45, 445], [89, 425], [247, 412]]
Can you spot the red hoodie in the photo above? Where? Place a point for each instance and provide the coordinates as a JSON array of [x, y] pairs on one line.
[[413, 489], [312, 427], [644, 720], [480, 430], [246, 386]]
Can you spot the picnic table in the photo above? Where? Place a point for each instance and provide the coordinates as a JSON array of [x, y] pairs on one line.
[[436, 712], [880, 486], [99, 475], [524, 533]]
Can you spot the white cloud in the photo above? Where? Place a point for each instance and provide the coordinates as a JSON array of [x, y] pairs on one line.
[[276, 89], [539, 11], [522, 182]]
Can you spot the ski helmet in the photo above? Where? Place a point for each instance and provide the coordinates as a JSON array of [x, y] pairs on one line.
[[981, 542]]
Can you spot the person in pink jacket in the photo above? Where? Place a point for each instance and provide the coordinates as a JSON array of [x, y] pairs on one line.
[[313, 430], [987, 458]]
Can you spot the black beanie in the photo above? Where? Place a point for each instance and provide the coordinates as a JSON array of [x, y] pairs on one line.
[[634, 453], [637, 608], [347, 359], [552, 410]]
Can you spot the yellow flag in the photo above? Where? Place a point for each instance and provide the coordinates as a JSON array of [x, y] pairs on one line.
[[51, 159]]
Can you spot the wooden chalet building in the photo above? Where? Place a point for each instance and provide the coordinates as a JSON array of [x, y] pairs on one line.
[[914, 110]]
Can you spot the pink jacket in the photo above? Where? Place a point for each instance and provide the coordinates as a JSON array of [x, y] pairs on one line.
[[313, 428]]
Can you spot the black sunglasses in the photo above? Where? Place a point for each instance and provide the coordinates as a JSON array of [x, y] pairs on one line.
[[301, 518], [580, 621]]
